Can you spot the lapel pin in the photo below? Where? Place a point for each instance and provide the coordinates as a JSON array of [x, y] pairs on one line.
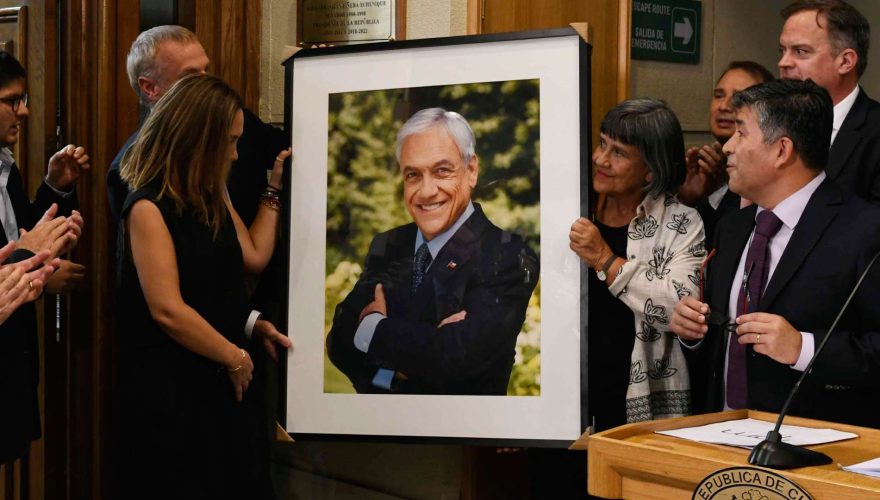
[[451, 265]]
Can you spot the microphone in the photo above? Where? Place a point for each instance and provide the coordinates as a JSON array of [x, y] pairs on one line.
[[772, 452]]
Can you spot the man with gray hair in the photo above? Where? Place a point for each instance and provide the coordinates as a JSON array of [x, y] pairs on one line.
[[158, 58], [441, 301]]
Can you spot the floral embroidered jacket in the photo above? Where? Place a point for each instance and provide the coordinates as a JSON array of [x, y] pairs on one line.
[[665, 247]]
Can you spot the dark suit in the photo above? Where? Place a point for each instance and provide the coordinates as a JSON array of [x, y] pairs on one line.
[[854, 158], [833, 242], [729, 203], [19, 355], [483, 270]]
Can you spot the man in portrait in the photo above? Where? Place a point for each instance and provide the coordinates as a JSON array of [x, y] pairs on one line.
[[440, 302]]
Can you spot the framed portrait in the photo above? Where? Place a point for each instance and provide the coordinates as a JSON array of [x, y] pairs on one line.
[[431, 289]]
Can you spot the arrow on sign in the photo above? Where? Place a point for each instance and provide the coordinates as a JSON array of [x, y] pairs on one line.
[[684, 31]]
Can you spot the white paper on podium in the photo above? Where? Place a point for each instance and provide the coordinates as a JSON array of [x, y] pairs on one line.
[[869, 468], [748, 432]]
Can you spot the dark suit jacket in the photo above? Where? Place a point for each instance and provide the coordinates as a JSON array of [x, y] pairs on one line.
[[483, 270], [831, 246], [854, 158], [19, 356], [711, 216]]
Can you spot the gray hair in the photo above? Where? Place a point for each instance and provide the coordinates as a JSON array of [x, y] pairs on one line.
[[141, 59], [455, 124], [650, 126]]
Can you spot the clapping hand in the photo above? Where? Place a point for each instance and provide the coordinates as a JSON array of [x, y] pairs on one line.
[[65, 167], [705, 173], [67, 278], [55, 234], [20, 282]]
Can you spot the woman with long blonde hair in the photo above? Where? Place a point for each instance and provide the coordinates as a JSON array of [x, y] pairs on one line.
[[184, 253]]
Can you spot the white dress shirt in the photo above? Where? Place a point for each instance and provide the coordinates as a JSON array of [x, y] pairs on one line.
[[841, 110], [7, 215]]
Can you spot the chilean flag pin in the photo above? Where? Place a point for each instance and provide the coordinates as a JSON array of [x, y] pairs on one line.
[[451, 265]]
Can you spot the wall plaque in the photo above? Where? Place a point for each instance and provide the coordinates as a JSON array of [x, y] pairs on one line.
[[339, 21]]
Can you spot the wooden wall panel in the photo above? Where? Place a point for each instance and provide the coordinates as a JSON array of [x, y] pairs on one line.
[[99, 112], [229, 30], [609, 19]]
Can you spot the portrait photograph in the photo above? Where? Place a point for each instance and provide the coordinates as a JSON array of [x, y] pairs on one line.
[[431, 290], [368, 204]]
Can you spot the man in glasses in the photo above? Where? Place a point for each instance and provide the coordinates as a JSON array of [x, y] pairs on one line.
[[784, 268], [36, 230]]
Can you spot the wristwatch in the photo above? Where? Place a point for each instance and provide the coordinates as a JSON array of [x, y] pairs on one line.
[[602, 274]]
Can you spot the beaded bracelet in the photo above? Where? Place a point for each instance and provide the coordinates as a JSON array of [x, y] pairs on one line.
[[271, 203]]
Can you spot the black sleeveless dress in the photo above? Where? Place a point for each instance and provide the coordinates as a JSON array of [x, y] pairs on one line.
[[184, 434]]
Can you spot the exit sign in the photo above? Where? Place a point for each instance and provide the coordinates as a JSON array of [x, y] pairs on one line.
[[666, 30]]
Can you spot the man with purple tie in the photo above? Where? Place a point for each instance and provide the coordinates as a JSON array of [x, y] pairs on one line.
[[784, 268]]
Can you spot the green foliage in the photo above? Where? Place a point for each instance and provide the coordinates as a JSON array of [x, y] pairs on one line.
[[364, 188]]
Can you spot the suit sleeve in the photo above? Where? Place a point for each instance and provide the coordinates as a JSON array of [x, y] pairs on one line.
[[46, 196], [340, 340], [495, 298], [852, 354], [117, 190]]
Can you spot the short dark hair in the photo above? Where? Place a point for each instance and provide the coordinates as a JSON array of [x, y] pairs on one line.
[[799, 110], [652, 128], [755, 70], [847, 27], [10, 69]]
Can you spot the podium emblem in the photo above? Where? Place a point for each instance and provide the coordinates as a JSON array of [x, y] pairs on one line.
[[748, 483]]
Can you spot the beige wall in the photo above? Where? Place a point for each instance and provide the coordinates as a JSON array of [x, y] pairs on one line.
[[424, 19], [732, 30], [688, 88]]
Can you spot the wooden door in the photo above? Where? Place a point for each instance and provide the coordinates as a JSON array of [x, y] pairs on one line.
[[78, 94], [609, 20], [229, 30]]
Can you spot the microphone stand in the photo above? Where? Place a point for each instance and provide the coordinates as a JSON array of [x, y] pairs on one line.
[[772, 452]]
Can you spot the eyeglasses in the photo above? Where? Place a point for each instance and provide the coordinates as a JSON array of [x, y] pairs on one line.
[[15, 102]]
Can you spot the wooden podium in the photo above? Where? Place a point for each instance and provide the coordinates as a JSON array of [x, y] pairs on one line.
[[633, 462]]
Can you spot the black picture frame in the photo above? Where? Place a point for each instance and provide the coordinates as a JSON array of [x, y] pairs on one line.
[[302, 183]]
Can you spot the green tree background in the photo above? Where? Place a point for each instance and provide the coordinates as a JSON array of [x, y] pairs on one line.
[[364, 188]]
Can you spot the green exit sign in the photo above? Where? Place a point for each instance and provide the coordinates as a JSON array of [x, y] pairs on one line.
[[666, 30]]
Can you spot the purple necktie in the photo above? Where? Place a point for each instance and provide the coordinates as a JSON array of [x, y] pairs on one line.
[[754, 281]]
